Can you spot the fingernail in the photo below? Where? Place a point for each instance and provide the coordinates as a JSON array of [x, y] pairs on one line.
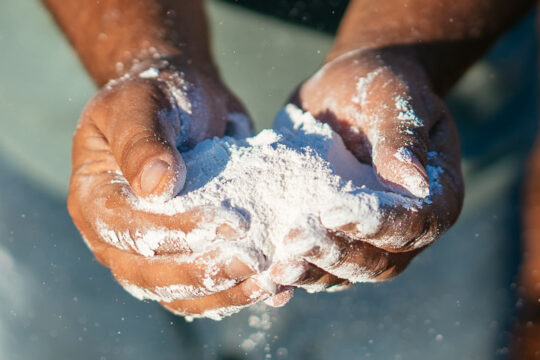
[[416, 180], [152, 175], [237, 269]]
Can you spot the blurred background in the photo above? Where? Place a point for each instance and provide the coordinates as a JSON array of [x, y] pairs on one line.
[[455, 301]]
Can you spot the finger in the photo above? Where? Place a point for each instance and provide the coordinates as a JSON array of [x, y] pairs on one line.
[[294, 272], [294, 267], [299, 273], [104, 209], [441, 208], [152, 234], [281, 298], [101, 201], [398, 133], [105, 202], [445, 154], [361, 262], [380, 115], [141, 128], [220, 305], [169, 278], [407, 224], [344, 259]]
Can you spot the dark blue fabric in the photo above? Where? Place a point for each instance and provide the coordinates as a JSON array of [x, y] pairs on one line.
[[323, 15]]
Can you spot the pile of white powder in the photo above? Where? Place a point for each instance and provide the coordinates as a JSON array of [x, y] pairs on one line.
[[298, 176], [295, 179]]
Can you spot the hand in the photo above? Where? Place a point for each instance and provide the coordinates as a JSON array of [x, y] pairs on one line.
[[382, 106], [125, 148]]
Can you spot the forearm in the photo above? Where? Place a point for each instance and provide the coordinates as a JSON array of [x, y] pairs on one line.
[[110, 36], [443, 36]]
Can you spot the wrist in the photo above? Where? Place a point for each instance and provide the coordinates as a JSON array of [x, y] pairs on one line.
[[163, 58]]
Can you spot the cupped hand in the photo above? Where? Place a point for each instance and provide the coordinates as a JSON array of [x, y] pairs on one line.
[[125, 149], [384, 109]]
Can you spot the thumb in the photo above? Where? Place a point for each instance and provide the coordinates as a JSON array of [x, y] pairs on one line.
[[133, 118], [399, 145], [400, 168]]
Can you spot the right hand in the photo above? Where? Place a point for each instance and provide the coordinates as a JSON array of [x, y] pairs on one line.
[[383, 107], [125, 147]]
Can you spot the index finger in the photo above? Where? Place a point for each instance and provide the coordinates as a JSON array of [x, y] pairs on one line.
[[110, 212]]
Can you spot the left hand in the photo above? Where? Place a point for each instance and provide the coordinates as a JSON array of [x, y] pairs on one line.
[[384, 109]]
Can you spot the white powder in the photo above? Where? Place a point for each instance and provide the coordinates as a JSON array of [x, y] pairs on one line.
[[407, 114], [297, 180], [297, 177], [404, 155], [214, 314], [362, 86], [150, 73]]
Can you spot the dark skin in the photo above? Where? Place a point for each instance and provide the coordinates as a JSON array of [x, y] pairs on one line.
[[121, 129], [416, 53], [413, 50]]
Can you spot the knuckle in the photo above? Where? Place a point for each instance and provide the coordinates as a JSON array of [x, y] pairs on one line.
[[137, 139]]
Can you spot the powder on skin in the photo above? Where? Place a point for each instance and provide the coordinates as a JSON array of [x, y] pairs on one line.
[[297, 180]]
